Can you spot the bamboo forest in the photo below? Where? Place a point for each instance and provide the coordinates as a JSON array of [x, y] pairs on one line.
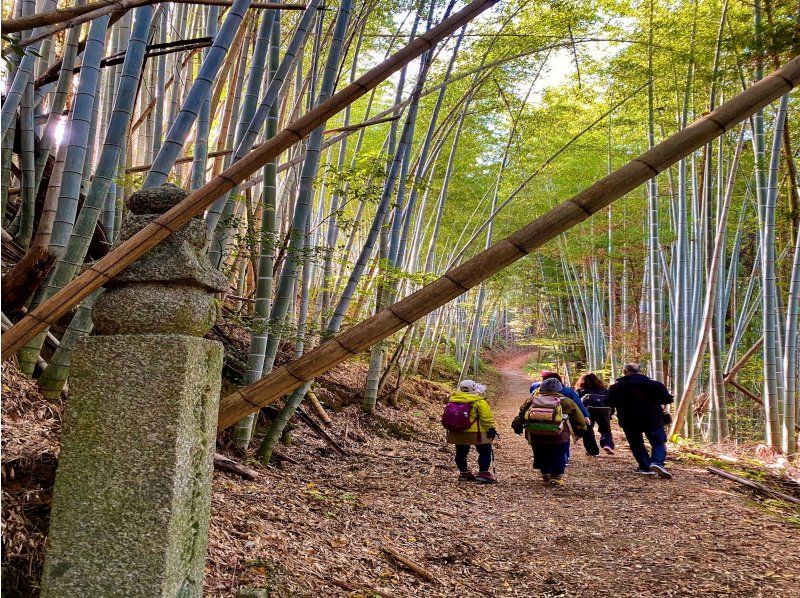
[[272, 270]]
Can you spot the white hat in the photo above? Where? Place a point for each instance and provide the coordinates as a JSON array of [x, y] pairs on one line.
[[472, 387]]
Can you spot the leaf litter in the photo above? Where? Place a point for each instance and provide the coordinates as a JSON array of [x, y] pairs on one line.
[[321, 527], [326, 522]]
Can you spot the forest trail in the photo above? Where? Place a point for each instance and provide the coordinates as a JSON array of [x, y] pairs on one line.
[[618, 534], [607, 532]]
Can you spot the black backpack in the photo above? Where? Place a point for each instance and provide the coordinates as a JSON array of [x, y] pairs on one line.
[[594, 400]]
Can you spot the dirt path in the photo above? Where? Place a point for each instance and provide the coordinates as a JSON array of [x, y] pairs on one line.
[[607, 532]]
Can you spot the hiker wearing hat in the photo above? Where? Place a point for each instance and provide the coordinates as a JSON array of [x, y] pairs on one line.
[[469, 422], [550, 420], [589, 442]]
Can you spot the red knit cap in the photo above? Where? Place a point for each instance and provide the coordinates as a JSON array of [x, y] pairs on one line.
[[545, 374]]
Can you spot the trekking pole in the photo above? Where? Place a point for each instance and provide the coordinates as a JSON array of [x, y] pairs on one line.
[[494, 457]]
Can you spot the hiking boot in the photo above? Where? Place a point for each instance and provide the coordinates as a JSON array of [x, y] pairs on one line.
[[644, 472], [556, 481], [485, 477], [466, 476], [608, 450], [660, 471], [546, 478]]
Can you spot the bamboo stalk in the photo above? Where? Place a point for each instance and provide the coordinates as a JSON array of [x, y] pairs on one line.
[[361, 125], [754, 485], [184, 160], [501, 254], [194, 205], [745, 358], [73, 15], [407, 562]]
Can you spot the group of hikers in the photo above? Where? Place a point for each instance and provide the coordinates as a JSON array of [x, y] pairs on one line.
[[554, 415]]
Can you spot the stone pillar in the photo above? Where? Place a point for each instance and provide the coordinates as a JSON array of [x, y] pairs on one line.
[[133, 488]]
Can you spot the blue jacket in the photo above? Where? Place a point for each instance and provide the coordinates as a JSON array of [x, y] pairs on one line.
[[570, 394]]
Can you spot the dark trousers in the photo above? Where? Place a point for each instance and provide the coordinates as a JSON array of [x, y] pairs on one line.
[[484, 456], [602, 418], [589, 441], [657, 438], [550, 459]]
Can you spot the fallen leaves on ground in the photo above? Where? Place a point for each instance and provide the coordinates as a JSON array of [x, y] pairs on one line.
[[319, 528]]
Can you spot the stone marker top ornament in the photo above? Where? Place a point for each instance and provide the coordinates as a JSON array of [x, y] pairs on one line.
[[156, 200], [169, 290]]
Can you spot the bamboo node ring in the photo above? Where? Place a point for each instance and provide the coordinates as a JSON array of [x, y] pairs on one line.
[[521, 250], [162, 225], [455, 282], [248, 401], [345, 347], [229, 179], [581, 206], [716, 122], [650, 166], [100, 273], [291, 373], [399, 317]]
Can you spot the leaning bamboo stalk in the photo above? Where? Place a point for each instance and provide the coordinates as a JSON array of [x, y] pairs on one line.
[[126, 253], [472, 272], [712, 280], [745, 358], [184, 160], [74, 15]]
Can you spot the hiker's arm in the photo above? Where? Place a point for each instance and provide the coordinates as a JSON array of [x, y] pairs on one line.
[[611, 398], [524, 408], [577, 400], [575, 415], [665, 398], [485, 415]]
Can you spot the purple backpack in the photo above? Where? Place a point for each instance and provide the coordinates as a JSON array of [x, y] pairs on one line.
[[456, 417]]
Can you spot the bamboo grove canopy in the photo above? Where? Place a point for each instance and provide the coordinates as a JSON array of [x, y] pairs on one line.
[[449, 286]]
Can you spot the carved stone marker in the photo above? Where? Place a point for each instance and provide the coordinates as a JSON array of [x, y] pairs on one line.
[[133, 488]]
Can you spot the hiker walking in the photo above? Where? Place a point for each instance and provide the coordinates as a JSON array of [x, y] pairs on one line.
[[639, 402], [589, 443], [469, 422], [550, 420], [593, 393]]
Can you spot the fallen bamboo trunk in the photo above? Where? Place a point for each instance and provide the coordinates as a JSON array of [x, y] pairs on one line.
[[222, 463], [754, 485], [317, 429], [24, 278], [729, 379], [407, 562], [67, 16], [745, 358], [475, 270], [318, 408], [195, 204]]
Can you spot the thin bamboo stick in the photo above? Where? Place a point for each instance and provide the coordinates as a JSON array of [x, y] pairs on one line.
[[458, 280], [66, 17], [194, 205]]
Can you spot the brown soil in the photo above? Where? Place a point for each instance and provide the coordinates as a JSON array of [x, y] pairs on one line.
[[315, 528], [318, 526]]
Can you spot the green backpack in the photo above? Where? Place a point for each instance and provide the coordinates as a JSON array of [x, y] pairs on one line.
[[544, 417]]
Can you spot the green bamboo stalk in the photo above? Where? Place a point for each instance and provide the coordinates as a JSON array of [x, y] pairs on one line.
[[54, 377], [80, 124], [28, 168], [201, 87]]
